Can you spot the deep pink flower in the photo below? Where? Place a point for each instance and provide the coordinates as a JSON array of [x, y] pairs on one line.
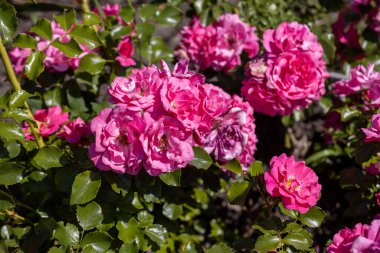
[[74, 61], [111, 10], [343, 240], [48, 121], [167, 146], [75, 132], [377, 196], [373, 133], [18, 58], [55, 60], [294, 182], [117, 146], [373, 169], [217, 101], [125, 50], [369, 241]]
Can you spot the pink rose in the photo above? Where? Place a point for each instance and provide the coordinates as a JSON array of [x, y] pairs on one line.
[[167, 146], [18, 58], [125, 50], [117, 146], [343, 240], [75, 132], [373, 169], [217, 101], [139, 92], [74, 61], [377, 196], [55, 60], [373, 133], [48, 121], [111, 10], [294, 182]]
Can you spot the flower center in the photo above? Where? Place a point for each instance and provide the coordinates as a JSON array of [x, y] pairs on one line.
[[123, 139], [163, 143]]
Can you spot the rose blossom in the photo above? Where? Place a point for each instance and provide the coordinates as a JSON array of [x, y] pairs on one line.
[[294, 182], [48, 121], [343, 240], [125, 50], [117, 146], [18, 58], [373, 133], [167, 146], [75, 131], [111, 10]]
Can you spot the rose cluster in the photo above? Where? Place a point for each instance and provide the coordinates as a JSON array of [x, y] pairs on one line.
[[160, 114], [218, 45], [291, 73]]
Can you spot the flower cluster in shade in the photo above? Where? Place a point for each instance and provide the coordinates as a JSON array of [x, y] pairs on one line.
[[218, 45], [372, 134], [290, 74], [355, 18], [56, 61], [161, 114], [362, 238], [364, 81], [50, 120], [294, 182]]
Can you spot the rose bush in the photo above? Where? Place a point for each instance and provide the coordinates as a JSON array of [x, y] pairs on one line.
[[189, 126]]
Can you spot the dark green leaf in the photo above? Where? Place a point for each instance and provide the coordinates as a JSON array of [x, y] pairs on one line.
[[238, 192], [233, 166], [300, 240], [53, 97], [267, 243], [190, 248], [147, 11], [144, 31], [85, 188], [10, 173], [120, 183], [96, 242], [201, 159], [172, 211], [34, 65], [169, 16], [24, 41], [66, 19], [127, 14], [145, 219], [323, 154], [292, 227], [91, 63], [71, 48], [127, 231], [91, 19], [349, 113], [290, 213], [220, 248], [42, 28], [67, 234], [156, 50], [129, 248], [157, 233], [76, 100], [49, 157], [5, 98], [86, 35], [8, 20], [6, 200], [17, 114], [89, 216], [172, 178], [313, 218], [266, 227], [11, 131], [18, 98], [120, 31]]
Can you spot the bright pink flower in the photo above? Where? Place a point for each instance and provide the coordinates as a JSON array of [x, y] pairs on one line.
[[369, 242], [75, 132], [373, 133], [217, 101], [125, 50], [111, 10], [48, 121], [139, 91], [117, 146], [18, 58], [294, 182], [167, 146], [343, 240], [55, 60]]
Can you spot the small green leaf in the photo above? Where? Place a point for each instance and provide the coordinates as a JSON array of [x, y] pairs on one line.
[[49, 157], [233, 166], [5, 98], [67, 234], [172, 211], [42, 28], [292, 227], [127, 231], [17, 114], [10, 173], [34, 65], [300, 240], [256, 168], [157, 233], [18, 98], [349, 113], [11, 131], [91, 19], [96, 242], [8, 20], [313, 218], [144, 31], [190, 248], [85, 187], [89, 216], [86, 35], [238, 192], [266, 227], [53, 97], [220, 248], [24, 41], [147, 11], [66, 19], [201, 159], [267, 243], [120, 31], [172, 178], [127, 14], [145, 218], [169, 16], [291, 213], [91, 63], [6, 200], [71, 48], [120, 183]]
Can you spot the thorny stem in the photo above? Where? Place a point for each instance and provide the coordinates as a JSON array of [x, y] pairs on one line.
[[16, 85]]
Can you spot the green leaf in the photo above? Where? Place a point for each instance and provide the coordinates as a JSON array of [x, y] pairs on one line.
[[145, 218], [238, 192], [18, 98], [91, 63], [155, 50], [201, 159], [53, 97], [96, 242], [313, 218], [24, 41], [5, 98], [86, 35], [66, 19], [157, 233], [10, 173], [256, 168], [127, 14], [172, 211], [300, 240], [199, 5], [17, 114], [11, 131], [91, 18], [323, 154], [266, 227], [349, 113], [144, 31], [172, 178], [89, 216], [129, 248], [8, 20], [292, 227], [147, 11], [267, 243], [233, 166], [127, 231], [42, 28], [66, 234], [169, 16], [49, 157], [190, 248], [6, 200], [85, 187], [291, 213], [76, 100], [34, 65], [220, 248], [71, 48], [120, 31], [120, 183]]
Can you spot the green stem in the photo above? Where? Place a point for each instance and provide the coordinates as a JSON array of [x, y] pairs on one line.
[[16, 85], [86, 6]]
